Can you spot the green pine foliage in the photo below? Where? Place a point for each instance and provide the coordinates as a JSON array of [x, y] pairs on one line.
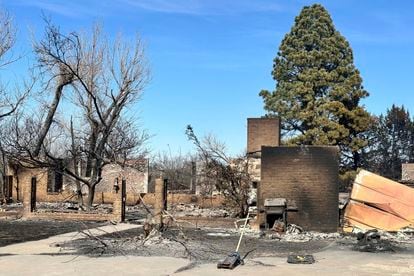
[[391, 143], [318, 88]]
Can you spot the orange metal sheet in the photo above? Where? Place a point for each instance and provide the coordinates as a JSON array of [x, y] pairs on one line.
[[378, 202], [364, 217], [384, 202], [386, 186]]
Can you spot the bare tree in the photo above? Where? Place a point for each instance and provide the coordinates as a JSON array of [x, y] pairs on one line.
[[179, 169], [7, 36], [10, 98], [230, 175], [99, 80]]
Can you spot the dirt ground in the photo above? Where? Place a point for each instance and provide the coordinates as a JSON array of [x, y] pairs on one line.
[[20, 230]]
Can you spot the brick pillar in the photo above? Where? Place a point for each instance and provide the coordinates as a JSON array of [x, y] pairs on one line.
[[160, 200], [117, 203]]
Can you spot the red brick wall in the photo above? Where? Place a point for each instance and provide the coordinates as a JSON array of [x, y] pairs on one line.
[[25, 176], [262, 132], [137, 180], [136, 184], [309, 176]]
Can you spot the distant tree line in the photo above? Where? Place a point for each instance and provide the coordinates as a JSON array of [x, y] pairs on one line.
[[390, 142]]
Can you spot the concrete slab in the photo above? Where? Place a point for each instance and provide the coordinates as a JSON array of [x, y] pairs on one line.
[[72, 265], [329, 262]]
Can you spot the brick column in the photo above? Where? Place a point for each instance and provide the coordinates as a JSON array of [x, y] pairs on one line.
[[117, 203], [160, 200]]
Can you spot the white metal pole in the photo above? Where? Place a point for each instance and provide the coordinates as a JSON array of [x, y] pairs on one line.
[[241, 236]]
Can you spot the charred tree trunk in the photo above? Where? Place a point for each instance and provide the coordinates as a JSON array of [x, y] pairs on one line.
[[91, 196], [3, 173], [356, 160], [90, 154], [244, 208], [75, 166], [65, 79], [96, 177]]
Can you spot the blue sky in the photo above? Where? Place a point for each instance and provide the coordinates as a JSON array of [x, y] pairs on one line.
[[209, 59]]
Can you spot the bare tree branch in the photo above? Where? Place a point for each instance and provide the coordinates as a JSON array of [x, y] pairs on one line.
[[231, 175]]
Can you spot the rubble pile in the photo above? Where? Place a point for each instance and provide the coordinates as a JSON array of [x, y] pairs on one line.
[[155, 238], [402, 236], [67, 207], [308, 236], [193, 210], [10, 207], [295, 233]]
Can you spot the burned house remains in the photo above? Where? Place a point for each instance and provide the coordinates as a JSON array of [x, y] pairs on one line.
[[296, 185], [307, 177]]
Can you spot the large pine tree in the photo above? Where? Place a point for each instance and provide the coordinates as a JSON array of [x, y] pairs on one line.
[[318, 88]]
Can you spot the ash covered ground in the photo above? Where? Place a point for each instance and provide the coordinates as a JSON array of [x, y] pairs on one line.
[[205, 245], [211, 245], [199, 245], [20, 230]]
